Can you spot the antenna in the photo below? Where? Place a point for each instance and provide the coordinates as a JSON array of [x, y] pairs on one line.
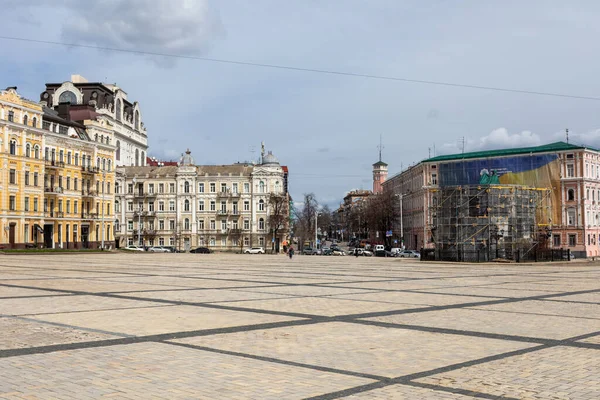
[[429, 148], [567, 132], [434, 153], [380, 147], [463, 144]]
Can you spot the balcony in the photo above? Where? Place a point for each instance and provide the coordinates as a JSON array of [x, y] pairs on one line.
[[223, 212], [90, 170], [54, 164], [149, 232], [53, 190], [235, 212], [234, 194], [223, 193], [235, 231], [89, 216], [89, 193], [54, 214]]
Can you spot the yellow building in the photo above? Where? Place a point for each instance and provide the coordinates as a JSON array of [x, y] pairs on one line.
[[21, 176], [56, 182]]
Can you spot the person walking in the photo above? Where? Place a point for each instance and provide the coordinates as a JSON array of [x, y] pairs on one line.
[[291, 252]]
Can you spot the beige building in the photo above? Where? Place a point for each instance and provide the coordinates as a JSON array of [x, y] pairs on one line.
[[225, 208]]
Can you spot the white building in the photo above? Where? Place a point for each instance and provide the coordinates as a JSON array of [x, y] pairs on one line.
[[224, 207], [121, 119]]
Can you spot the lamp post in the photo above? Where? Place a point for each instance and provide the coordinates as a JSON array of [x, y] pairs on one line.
[[401, 196], [103, 188], [317, 214]]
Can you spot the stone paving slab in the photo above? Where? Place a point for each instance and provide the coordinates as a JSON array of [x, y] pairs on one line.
[[21, 333], [530, 325], [488, 291], [359, 348], [6, 291], [205, 295], [158, 320], [67, 304], [153, 370], [543, 307], [404, 392], [416, 299], [557, 373]]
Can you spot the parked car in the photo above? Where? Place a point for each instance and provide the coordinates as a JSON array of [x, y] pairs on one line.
[[326, 251], [134, 248], [334, 246], [361, 252], [171, 249], [410, 254], [395, 251], [338, 252], [201, 250], [158, 249], [255, 250], [308, 251]]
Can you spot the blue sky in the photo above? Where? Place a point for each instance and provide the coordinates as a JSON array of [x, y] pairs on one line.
[[326, 128]]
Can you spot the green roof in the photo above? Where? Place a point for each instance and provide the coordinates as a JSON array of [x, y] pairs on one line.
[[547, 148]]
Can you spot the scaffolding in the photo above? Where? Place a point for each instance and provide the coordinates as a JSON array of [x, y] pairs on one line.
[[488, 222]]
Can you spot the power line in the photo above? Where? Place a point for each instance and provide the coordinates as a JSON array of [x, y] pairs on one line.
[[301, 69]]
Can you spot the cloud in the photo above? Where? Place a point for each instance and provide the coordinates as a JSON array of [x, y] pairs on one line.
[[181, 27], [497, 139]]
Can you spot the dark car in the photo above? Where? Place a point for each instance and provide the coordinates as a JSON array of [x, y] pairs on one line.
[[201, 250], [334, 246]]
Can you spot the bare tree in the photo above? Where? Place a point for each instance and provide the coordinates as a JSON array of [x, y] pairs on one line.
[[278, 216], [380, 213], [304, 224]]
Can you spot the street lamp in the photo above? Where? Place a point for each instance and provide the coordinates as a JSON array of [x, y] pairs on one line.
[[401, 196], [103, 188], [317, 214]]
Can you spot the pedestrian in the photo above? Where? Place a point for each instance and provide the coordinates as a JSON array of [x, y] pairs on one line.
[[291, 252], [356, 252]]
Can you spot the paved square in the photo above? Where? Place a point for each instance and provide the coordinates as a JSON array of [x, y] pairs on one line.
[[186, 326]]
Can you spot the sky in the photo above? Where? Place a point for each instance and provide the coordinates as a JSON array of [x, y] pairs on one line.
[[325, 127]]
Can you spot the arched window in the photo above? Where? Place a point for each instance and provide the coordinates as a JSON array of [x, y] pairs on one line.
[[13, 147], [186, 224], [186, 205], [53, 155], [261, 224], [104, 164], [36, 151], [570, 195], [137, 157], [117, 206], [109, 165], [261, 187], [261, 205], [25, 120], [143, 159], [277, 187], [98, 162], [116, 188], [137, 120], [186, 187], [68, 97], [118, 151], [34, 122], [28, 150], [118, 110]]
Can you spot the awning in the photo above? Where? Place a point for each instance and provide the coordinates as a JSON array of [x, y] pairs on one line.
[[39, 229]]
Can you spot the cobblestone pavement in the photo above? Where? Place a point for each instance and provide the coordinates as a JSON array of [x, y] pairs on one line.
[[187, 326]]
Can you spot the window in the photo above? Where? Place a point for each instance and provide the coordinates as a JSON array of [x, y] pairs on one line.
[[570, 171], [235, 207], [36, 179], [13, 147], [224, 242], [34, 122], [201, 205], [36, 151], [26, 204], [571, 217], [161, 241], [261, 224], [261, 241], [213, 187], [246, 224], [246, 187], [11, 116], [234, 188], [212, 242], [28, 150], [261, 205], [434, 179], [246, 241], [75, 207], [130, 188], [223, 225], [572, 239], [186, 224], [186, 187], [246, 205], [150, 206], [161, 224], [13, 177], [200, 224], [234, 224], [186, 205], [172, 224], [161, 206], [130, 225], [261, 187], [235, 242], [171, 241], [130, 206], [201, 188], [118, 110], [69, 158], [161, 188], [26, 178], [68, 210], [171, 187], [223, 207], [570, 195], [12, 203], [172, 205], [213, 205], [68, 183], [151, 188], [25, 120], [213, 224], [35, 204], [223, 187]]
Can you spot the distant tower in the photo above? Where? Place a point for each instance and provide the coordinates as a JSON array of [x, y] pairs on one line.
[[380, 172]]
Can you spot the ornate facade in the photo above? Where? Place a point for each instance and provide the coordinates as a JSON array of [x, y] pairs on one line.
[[121, 121], [226, 207]]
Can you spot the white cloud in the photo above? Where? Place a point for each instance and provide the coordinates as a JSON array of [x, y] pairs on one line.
[[497, 139]]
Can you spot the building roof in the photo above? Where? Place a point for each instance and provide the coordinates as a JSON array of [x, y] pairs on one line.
[[547, 148], [202, 170], [380, 163]]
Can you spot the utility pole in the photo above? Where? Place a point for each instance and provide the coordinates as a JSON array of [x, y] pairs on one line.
[[103, 185], [567, 132], [400, 196]]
